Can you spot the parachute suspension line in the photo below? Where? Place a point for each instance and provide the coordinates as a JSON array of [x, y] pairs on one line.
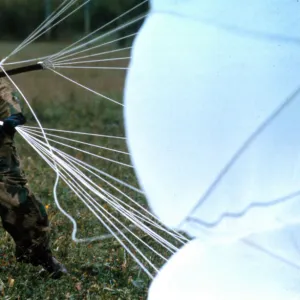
[[71, 160], [71, 53], [92, 154], [82, 165], [40, 32], [69, 60], [146, 219], [90, 67], [85, 87], [82, 196], [132, 220], [102, 173], [97, 30], [93, 55], [36, 129], [136, 212], [63, 55], [53, 61], [41, 151], [44, 24], [36, 31], [47, 63], [80, 193], [35, 133], [55, 24], [92, 61]]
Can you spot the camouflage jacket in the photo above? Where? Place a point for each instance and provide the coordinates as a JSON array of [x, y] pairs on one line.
[[9, 104]]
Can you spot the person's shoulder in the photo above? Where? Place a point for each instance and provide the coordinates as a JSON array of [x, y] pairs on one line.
[[5, 83], [8, 98], [5, 88]]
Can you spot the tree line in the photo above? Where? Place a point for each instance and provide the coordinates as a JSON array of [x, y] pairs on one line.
[[18, 18]]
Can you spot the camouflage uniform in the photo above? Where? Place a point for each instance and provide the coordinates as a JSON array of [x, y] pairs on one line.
[[23, 216]]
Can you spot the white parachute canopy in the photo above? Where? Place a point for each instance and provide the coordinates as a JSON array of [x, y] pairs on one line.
[[234, 271], [212, 105], [212, 114]]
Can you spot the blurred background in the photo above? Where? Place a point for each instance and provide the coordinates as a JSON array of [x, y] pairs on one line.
[[18, 18]]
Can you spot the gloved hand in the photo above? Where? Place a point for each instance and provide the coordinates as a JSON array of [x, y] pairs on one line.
[[13, 121]]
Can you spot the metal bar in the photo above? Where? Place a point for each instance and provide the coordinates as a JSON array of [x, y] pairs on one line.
[[20, 70]]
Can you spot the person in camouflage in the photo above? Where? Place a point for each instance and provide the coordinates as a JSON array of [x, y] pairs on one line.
[[23, 215]]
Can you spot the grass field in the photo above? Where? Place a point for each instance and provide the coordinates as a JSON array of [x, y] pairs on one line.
[[98, 270]]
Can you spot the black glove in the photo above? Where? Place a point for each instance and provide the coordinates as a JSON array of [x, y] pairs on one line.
[[13, 121]]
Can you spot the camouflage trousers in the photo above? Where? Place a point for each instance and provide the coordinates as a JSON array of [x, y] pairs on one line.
[[23, 215]]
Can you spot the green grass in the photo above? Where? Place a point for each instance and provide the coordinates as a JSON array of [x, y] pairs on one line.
[[98, 270]]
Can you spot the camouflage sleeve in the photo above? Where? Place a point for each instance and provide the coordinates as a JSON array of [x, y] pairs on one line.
[[9, 103]]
